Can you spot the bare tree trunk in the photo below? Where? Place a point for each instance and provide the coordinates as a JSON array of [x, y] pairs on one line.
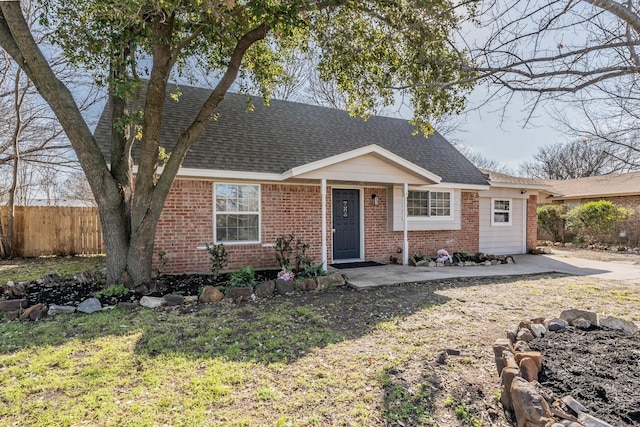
[[15, 142]]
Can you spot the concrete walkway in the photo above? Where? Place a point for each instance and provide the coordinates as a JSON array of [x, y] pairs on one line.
[[368, 277]]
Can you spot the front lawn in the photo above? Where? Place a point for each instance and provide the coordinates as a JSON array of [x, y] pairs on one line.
[[331, 358]]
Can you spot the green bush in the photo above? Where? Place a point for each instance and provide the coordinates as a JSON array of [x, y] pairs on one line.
[[291, 253], [243, 278], [596, 222], [551, 220], [218, 258]]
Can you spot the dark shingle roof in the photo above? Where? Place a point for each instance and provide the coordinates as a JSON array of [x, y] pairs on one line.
[[276, 138]]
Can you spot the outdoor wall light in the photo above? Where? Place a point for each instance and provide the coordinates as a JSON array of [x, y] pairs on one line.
[[375, 199]]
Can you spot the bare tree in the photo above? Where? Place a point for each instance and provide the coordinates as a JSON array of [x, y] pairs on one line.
[[576, 52], [571, 160], [483, 162]]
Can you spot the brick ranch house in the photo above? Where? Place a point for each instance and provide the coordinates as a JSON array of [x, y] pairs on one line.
[[352, 189]]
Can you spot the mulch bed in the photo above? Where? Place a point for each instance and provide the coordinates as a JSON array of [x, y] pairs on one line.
[[599, 368]]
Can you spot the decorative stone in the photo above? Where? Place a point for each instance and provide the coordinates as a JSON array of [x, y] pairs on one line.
[[308, 284], [89, 306], [239, 294], [439, 264], [129, 305], [521, 346], [12, 304], [528, 369], [265, 289], [25, 314], [537, 320], [573, 404], [538, 330], [530, 408], [14, 290], [619, 324], [573, 314], [499, 346], [557, 325], [536, 356], [581, 323], [151, 302], [525, 335], [422, 263], [487, 263], [590, 421], [509, 360], [510, 260], [431, 264], [38, 314], [49, 279], [173, 299], [285, 288], [55, 309], [191, 299], [12, 315], [506, 379], [210, 294], [333, 280]]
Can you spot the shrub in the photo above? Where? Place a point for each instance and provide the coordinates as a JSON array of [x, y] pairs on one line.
[[218, 258], [291, 250], [596, 222], [114, 291], [551, 220], [245, 277], [312, 271]]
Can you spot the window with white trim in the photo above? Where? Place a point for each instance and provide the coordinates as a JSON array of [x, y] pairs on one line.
[[237, 213], [435, 204], [501, 210]]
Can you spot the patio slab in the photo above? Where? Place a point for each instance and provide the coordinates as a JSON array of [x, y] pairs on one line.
[[367, 277]]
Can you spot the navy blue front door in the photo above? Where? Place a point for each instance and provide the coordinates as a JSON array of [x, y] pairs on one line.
[[346, 224]]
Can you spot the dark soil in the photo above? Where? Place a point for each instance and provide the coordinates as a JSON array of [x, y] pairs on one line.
[[70, 292], [599, 368]]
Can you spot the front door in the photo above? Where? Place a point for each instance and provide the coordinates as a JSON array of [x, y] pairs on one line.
[[346, 224]]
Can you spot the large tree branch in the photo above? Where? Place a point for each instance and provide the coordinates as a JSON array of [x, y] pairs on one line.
[[618, 9], [204, 115]]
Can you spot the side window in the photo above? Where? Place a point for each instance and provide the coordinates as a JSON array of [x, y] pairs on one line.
[[501, 212]]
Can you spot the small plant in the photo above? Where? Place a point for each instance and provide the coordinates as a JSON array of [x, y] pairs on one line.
[[551, 220], [286, 275], [218, 258], [291, 253], [243, 278], [162, 261], [461, 257], [114, 291], [312, 271]]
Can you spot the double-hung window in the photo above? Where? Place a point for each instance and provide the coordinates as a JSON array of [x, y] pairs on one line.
[[237, 213], [435, 204], [501, 211]]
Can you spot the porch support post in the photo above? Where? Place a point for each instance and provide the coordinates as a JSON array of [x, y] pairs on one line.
[[323, 194], [405, 242]]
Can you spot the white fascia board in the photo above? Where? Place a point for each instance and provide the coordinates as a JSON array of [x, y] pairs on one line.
[[222, 174], [456, 186], [541, 187], [369, 149]]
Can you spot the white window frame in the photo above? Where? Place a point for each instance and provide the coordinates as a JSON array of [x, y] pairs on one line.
[[494, 211], [428, 217], [258, 213]]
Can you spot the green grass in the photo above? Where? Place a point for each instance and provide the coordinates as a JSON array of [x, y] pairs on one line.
[[331, 358], [27, 269]]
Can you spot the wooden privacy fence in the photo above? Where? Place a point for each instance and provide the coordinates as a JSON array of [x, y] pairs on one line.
[[54, 230]]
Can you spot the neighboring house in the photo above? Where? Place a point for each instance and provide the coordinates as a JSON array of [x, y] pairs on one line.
[[352, 189], [620, 189]]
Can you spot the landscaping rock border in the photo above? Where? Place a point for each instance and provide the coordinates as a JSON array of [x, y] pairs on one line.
[[14, 306], [518, 367]]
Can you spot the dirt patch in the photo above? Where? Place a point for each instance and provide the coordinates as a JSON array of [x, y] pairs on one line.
[[599, 368]]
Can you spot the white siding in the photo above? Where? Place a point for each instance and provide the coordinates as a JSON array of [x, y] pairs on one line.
[[367, 168], [502, 239]]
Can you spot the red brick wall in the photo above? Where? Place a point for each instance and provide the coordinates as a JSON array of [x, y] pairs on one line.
[[187, 222], [381, 244], [532, 221]]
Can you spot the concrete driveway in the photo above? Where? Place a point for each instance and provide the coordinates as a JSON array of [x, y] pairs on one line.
[[368, 277]]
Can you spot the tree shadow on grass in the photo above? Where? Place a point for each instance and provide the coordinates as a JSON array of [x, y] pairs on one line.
[[275, 330]]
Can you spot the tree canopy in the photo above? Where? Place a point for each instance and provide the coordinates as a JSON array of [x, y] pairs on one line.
[[366, 47]]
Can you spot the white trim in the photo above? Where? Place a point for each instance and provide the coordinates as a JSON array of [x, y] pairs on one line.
[[370, 149], [215, 213], [405, 231], [541, 187], [361, 220], [323, 194], [457, 186], [429, 218], [501, 224]]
